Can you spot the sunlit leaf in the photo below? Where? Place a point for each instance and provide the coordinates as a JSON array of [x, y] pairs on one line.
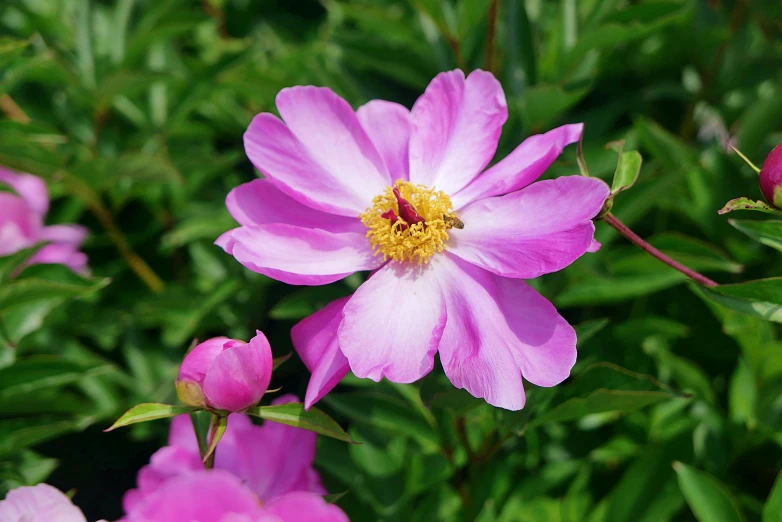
[[147, 412], [294, 414]]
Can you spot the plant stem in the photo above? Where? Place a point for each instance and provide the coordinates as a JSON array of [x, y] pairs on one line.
[[491, 31], [638, 241], [209, 463]]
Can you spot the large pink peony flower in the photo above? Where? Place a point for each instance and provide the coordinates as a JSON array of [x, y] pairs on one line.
[[405, 194], [24, 202], [218, 496], [272, 460]]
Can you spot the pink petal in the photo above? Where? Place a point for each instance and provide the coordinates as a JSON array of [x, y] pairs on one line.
[[32, 189], [74, 234], [206, 496], [393, 323], [302, 507], [259, 202], [521, 167], [239, 376], [166, 463], [197, 360], [388, 126], [272, 459], [182, 435], [297, 255], [20, 227], [475, 349], [321, 155], [316, 342], [498, 330], [456, 127], [540, 229], [41, 503], [594, 246], [61, 254]]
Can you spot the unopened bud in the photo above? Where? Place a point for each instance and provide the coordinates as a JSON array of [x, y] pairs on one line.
[[771, 177]]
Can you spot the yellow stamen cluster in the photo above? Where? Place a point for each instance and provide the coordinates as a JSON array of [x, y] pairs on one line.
[[416, 242]]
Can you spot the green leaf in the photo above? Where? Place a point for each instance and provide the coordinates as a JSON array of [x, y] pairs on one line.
[[294, 414], [10, 48], [768, 232], [543, 104], [602, 290], [279, 361], [619, 390], [41, 372], [773, 506], [384, 412], [760, 298], [11, 263], [306, 301], [748, 204], [708, 498], [147, 412], [44, 282], [627, 170]]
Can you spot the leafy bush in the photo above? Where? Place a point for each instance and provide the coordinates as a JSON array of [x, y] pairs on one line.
[[133, 112]]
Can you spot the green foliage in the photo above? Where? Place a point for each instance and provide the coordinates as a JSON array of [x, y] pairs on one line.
[[133, 112]]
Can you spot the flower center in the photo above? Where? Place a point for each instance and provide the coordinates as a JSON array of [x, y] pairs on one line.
[[409, 222]]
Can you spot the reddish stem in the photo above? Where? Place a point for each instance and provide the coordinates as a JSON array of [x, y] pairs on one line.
[[636, 239]]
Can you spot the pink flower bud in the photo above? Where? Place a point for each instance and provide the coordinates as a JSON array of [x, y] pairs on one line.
[[226, 374], [771, 177]]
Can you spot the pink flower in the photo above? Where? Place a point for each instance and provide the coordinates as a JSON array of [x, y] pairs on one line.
[[41, 503], [226, 374], [218, 496], [22, 212], [272, 460], [405, 194], [771, 177]]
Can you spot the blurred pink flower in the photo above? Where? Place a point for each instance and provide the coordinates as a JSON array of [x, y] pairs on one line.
[[22, 213], [219, 496], [271, 460], [405, 194], [41, 503], [226, 374]]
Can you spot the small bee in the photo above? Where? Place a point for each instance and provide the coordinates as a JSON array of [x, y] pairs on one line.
[[453, 222]]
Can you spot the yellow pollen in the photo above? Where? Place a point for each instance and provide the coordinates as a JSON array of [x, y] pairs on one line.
[[417, 242]]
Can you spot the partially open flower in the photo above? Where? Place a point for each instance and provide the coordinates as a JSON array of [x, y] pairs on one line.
[[771, 177], [226, 374]]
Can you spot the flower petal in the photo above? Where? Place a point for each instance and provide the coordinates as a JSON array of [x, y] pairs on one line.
[[61, 254], [73, 234], [19, 226], [302, 507], [197, 361], [41, 503], [521, 167], [499, 330], [316, 342], [456, 127], [259, 202], [272, 459], [32, 189], [321, 155], [206, 495], [475, 349], [531, 232], [388, 126], [240, 375], [166, 463], [393, 323], [297, 255]]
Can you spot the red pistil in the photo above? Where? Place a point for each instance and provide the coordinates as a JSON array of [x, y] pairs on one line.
[[393, 218], [406, 210]]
